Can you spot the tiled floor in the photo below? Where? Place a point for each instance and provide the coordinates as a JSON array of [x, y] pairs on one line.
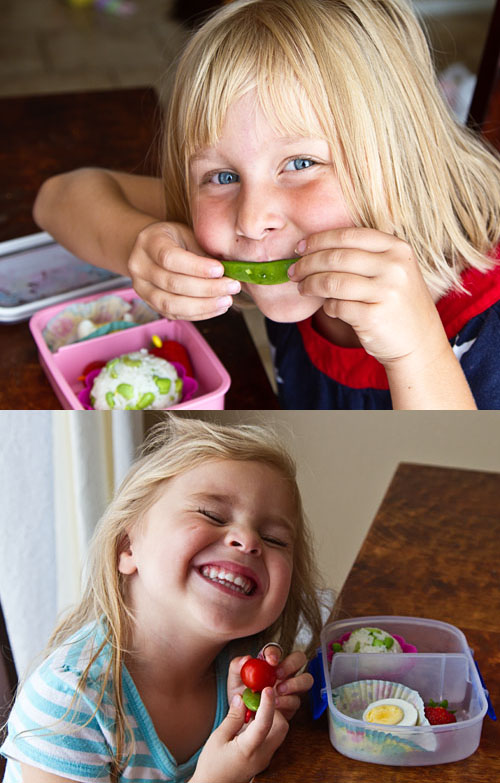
[[52, 46]]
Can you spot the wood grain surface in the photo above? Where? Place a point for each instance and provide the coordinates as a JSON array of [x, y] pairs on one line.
[[45, 135], [433, 550]]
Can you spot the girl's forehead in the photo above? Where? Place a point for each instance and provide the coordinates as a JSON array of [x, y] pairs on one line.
[[289, 112]]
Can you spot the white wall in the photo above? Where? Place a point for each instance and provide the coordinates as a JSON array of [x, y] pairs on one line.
[[347, 459]]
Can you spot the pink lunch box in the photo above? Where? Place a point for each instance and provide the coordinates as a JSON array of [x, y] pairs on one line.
[[64, 367]]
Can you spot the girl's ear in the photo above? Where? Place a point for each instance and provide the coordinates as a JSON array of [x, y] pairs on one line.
[[126, 561]]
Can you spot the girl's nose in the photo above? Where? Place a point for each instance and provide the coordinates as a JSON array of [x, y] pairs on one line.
[[258, 212], [244, 539]]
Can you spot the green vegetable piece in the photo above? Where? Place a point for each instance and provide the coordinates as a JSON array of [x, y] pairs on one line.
[[111, 368], [388, 642], [92, 400], [110, 399], [259, 272], [145, 400], [163, 384], [251, 700], [131, 362], [357, 647], [337, 647], [178, 385], [378, 643], [125, 390]]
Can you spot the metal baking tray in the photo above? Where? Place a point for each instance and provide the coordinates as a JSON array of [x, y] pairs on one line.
[[36, 272]]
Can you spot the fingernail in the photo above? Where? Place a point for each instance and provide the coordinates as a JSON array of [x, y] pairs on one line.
[[216, 271], [233, 287], [282, 688], [301, 246], [236, 700], [224, 301], [291, 270]]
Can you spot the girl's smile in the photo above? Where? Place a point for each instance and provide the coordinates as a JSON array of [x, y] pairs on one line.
[[257, 193], [215, 551]]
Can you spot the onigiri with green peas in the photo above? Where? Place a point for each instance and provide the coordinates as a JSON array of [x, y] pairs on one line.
[[371, 640], [136, 381]]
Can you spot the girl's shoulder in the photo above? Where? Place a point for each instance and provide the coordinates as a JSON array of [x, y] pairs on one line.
[[85, 652]]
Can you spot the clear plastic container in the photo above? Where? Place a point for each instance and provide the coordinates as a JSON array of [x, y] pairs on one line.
[[443, 668], [64, 367]]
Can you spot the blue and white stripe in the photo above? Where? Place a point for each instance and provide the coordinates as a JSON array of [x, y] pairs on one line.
[[79, 744]]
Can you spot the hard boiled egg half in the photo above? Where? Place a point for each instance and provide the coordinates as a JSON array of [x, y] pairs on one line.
[[391, 712]]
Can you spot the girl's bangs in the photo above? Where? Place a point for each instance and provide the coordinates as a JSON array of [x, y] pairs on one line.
[[286, 102]]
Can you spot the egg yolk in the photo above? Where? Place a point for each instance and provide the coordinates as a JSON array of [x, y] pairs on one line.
[[390, 714]]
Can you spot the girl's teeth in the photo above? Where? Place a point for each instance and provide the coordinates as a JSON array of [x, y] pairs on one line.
[[235, 582]]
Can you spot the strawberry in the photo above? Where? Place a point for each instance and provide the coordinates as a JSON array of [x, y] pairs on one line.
[[438, 714]]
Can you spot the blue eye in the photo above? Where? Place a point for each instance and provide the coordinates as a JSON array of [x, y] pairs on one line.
[[225, 178], [299, 164]]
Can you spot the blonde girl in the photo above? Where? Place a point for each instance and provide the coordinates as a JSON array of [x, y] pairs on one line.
[[315, 130], [202, 558]]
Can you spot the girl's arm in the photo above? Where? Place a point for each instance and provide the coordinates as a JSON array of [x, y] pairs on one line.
[[372, 281], [117, 221], [34, 775], [97, 214]]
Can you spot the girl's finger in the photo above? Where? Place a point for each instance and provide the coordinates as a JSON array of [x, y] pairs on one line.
[[187, 285], [332, 259], [291, 665], [370, 239], [288, 705], [184, 262], [272, 653], [301, 683], [339, 285], [183, 307], [261, 725]]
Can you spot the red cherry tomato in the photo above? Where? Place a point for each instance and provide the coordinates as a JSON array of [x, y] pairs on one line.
[[258, 674]]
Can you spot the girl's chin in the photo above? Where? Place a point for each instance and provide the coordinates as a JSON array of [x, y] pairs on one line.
[[283, 303]]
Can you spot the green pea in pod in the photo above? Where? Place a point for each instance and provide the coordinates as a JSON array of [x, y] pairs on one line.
[[259, 272], [251, 699]]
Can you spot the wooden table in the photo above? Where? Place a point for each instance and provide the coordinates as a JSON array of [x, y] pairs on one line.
[[48, 134], [432, 551]]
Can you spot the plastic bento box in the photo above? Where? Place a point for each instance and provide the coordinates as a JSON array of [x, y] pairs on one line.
[[64, 366], [442, 668]]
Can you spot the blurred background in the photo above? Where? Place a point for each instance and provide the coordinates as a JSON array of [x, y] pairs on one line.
[[68, 45]]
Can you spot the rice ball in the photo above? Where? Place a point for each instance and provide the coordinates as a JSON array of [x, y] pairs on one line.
[[371, 640], [136, 381]]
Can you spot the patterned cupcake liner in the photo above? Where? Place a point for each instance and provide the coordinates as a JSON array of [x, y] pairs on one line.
[[351, 701]]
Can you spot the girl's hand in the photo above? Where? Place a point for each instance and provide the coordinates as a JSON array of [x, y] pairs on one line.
[[231, 755], [170, 272], [290, 685], [372, 281]]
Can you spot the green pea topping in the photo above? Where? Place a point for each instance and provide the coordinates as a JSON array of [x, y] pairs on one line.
[[111, 368], [336, 647], [110, 399], [251, 700], [145, 400], [259, 272], [131, 362], [125, 390], [163, 384], [178, 385]]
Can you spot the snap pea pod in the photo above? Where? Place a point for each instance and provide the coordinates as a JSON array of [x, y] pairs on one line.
[[259, 272]]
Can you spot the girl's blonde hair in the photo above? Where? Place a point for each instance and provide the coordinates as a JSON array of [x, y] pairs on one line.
[[174, 446], [359, 74]]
